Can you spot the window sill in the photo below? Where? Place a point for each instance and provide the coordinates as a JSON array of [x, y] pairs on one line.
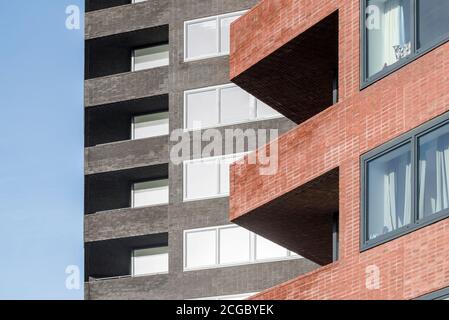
[[290, 258], [404, 231]]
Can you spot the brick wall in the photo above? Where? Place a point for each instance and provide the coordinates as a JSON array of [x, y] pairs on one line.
[[410, 266]]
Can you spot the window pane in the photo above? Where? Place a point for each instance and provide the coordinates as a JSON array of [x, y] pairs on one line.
[[265, 249], [234, 105], [225, 24], [201, 179], [202, 39], [150, 125], [224, 172], [202, 109], [151, 57], [433, 21], [433, 173], [388, 33], [389, 192], [201, 249], [265, 111], [150, 193], [150, 261], [234, 245]]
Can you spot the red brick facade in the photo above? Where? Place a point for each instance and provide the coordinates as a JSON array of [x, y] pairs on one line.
[[410, 266]]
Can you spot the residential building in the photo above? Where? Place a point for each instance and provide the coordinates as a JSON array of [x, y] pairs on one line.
[[156, 229], [362, 185]]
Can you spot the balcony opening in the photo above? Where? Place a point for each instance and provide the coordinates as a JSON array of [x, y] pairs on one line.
[[126, 257], [128, 120], [126, 52], [130, 188], [304, 220], [93, 5], [300, 79]]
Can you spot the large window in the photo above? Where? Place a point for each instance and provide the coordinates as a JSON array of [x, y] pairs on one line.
[[208, 37], [150, 125], [222, 105], [208, 177], [149, 261], [406, 183], [228, 245], [397, 31], [150, 57], [149, 193]]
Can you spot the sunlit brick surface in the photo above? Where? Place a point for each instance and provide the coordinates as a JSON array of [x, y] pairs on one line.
[[410, 266]]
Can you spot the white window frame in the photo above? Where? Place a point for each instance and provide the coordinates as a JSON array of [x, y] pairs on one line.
[[289, 254], [158, 135], [239, 157], [218, 19], [151, 205], [133, 56], [133, 275], [253, 103]]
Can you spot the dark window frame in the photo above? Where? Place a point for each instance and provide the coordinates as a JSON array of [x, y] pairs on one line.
[[365, 80], [436, 295], [412, 138]]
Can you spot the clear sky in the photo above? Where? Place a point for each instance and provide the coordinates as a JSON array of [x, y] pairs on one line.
[[41, 149]]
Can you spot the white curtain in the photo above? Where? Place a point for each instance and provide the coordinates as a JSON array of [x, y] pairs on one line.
[[394, 30], [434, 177], [392, 33], [397, 195]]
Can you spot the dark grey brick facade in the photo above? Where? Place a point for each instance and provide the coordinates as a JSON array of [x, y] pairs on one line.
[[114, 92]]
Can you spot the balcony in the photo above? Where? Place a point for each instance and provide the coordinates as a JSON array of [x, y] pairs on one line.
[[299, 77], [124, 223], [113, 54], [108, 17], [305, 219], [93, 5], [126, 86], [113, 190], [117, 258]]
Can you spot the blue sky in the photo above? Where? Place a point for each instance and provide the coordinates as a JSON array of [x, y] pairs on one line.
[[41, 149]]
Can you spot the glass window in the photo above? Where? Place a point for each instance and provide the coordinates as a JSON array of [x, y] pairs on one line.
[[149, 193], [388, 33], [234, 105], [202, 38], [229, 245], [202, 179], [234, 245], [391, 27], [433, 172], [208, 177], [201, 109], [406, 187], [265, 111], [433, 21], [151, 57], [150, 261], [266, 249], [222, 105], [201, 249], [389, 192], [150, 125], [225, 26], [208, 37]]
